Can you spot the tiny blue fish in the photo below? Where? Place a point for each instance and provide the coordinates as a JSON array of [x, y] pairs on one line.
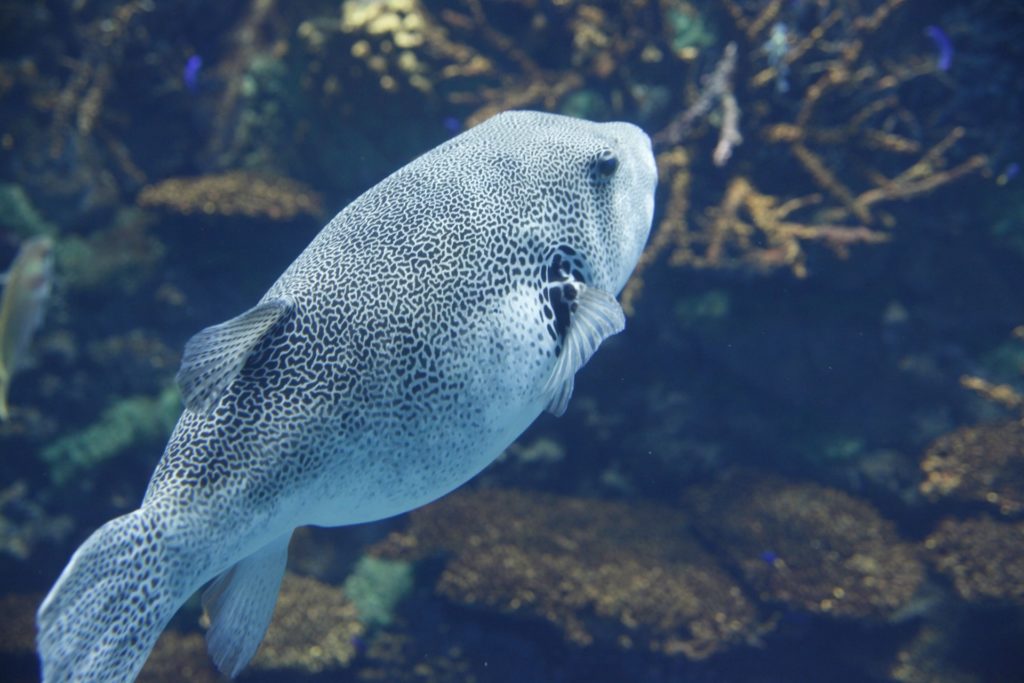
[[1011, 171], [190, 74], [944, 44], [768, 557]]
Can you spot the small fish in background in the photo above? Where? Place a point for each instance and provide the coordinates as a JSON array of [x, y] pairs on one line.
[[26, 292], [190, 74], [945, 46], [1011, 171]]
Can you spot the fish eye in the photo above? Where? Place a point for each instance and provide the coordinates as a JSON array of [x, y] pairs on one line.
[[604, 166]]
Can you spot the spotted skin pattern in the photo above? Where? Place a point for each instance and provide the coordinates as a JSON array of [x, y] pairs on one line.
[[411, 342]]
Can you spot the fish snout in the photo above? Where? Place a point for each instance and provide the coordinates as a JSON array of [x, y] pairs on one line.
[[634, 196]]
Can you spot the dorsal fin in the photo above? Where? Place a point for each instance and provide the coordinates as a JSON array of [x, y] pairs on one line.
[[215, 355], [596, 316]]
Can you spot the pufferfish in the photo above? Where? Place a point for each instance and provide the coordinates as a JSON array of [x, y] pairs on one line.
[[424, 328]]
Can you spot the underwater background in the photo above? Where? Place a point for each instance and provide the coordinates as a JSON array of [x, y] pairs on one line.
[[802, 461]]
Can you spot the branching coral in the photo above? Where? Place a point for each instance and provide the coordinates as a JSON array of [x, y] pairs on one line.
[[81, 156], [495, 56], [235, 193], [808, 86], [838, 113], [983, 463], [595, 569], [983, 557], [807, 546], [1003, 394]]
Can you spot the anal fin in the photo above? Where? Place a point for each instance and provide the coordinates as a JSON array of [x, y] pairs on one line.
[[215, 355], [240, 603], [595, 317]]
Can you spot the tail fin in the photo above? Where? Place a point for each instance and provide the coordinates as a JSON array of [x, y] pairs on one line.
[[104, 614]]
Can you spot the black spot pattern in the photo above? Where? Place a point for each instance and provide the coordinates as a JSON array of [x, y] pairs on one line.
[[423, 323]]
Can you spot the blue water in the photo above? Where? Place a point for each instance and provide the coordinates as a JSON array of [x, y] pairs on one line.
[[800, 462]]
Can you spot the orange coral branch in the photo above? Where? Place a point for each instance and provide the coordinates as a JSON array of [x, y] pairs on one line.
[[236, 193]]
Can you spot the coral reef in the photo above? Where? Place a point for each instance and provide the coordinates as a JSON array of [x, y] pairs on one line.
[[234, 193], [808, 547], [757, 346], [79, 159], [24, 523], [983, 557], [983, 463], [315, 628], [124, 423], [137, 351], [628, 574], [846, 115], [179, 657], [926, 659], [487, 57], [121, 257], [395, 658]]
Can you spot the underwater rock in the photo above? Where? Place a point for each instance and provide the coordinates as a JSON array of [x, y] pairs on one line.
[[235, 193], [315, 628], [983, 463], [807, 546], [984, 558], [179, 657], [631, 575]]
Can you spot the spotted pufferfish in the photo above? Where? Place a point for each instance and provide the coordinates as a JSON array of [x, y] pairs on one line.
[[424, 328]]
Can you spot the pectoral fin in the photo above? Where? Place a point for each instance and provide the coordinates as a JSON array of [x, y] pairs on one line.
[[596, 315], [215, 356]]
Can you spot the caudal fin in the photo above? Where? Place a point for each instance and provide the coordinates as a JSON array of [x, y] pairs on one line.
[[104, 614]]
